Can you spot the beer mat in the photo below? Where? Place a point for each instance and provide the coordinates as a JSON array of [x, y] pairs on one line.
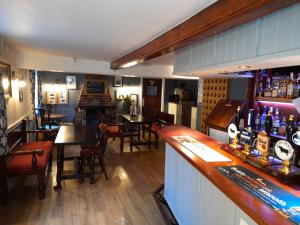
[[280, 200]]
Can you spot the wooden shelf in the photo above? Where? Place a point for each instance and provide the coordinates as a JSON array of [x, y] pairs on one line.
[[270, 99]]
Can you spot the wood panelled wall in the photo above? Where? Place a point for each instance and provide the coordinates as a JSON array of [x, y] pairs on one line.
[[214, 89]]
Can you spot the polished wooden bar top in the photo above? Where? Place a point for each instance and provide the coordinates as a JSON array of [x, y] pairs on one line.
[[75, 135], [256, 209]]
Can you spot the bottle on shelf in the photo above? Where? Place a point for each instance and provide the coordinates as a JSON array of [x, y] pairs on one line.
[[268, 89], [296, 91], [275, 85], [260, 88], [290, 86], [271, 110], [298, 124], [282, 88], [276, 122], [268, 123], [257, 121], [282, 128], [263, 118]]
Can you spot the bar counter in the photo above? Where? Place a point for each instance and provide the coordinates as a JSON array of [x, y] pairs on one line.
[[227, 198]]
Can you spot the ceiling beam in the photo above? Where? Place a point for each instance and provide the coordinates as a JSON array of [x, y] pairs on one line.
[[218, 17]]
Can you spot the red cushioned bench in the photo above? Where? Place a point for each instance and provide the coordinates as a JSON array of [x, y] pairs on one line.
[[25, 158]]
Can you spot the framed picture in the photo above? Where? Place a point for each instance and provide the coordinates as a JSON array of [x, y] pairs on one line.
[[63, 97], [95, 86], [71, 82], [118, 95], [118, 81], [135, 99], [51, 97]]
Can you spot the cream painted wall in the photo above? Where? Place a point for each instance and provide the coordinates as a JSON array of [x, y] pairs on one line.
[[17, 110]]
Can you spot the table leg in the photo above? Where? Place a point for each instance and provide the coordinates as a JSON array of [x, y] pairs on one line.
[[60, 166], [131, 136], [149, 125]]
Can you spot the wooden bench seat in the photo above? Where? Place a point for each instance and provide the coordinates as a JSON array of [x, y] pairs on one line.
[[25, 158]]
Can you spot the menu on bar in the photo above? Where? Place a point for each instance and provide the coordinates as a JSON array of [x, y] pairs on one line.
[[204, 152]]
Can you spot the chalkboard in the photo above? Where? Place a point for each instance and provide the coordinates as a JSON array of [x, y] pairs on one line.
[[95, 86]]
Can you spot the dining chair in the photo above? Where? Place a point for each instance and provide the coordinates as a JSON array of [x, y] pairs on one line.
[[89, 153], [43, 122]]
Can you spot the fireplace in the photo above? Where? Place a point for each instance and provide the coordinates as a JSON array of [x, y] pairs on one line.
[[98, 106]]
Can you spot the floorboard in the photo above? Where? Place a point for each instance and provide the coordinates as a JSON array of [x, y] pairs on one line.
[[126, 196]]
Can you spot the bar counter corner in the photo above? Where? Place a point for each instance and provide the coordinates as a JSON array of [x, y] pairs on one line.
[[197, 193]]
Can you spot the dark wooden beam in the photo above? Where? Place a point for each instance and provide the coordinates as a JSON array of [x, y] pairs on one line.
[[218, 17]]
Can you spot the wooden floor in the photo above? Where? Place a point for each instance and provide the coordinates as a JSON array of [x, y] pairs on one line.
[[126, 196]]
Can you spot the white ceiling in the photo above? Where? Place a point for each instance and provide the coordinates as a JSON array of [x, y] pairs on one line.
[[90, 29]]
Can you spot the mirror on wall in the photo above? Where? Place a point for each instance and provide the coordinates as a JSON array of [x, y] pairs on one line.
[[5, 71]]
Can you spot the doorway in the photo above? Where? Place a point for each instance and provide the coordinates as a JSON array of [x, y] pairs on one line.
[[151, 97]]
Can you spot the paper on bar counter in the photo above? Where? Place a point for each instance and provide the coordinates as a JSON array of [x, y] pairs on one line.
[[204, 152]]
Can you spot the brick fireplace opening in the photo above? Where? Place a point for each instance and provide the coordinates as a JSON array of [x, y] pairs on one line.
[[95, 101]]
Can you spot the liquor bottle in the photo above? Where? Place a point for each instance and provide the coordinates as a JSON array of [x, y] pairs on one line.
[[263, 118], [290, 86], [282, 88], [257, 121], [282, 128], [260, 87], [275, 86], [268, 89], [290, 129], [268, 123], [296, 91], [271, 110], [276, 122]]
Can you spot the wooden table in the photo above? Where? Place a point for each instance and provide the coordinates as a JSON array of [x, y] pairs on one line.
[[137, 120], [70, 135]]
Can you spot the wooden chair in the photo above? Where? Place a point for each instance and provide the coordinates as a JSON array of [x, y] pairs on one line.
[[162, 119], [88, 153], [43, 122], [24, 159]]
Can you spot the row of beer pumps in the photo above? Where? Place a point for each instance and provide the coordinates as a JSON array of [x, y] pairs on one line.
[[258, 147]]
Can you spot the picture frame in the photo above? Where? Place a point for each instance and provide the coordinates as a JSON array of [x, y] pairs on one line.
[[118, 81], [95, 86], [51, 98], [118, 95], [135, 98], [62, 97], [71, 82]]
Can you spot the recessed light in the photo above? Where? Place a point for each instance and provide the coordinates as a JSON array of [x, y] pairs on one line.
[[244, 67]]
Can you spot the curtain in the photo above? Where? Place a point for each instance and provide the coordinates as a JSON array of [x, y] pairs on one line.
[[36, 89], [3, 122]]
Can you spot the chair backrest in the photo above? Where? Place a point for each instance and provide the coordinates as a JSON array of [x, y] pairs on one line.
[[41, 117], [102, 137], [165, 117]]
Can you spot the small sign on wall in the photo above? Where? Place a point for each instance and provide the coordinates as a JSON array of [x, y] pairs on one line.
[[51, 97], [63, 97]]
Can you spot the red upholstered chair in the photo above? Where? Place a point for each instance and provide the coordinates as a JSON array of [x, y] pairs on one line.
[[116, 131], [23, 159]]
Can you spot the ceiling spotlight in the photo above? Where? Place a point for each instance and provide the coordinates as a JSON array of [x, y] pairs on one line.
[[244, 67]]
